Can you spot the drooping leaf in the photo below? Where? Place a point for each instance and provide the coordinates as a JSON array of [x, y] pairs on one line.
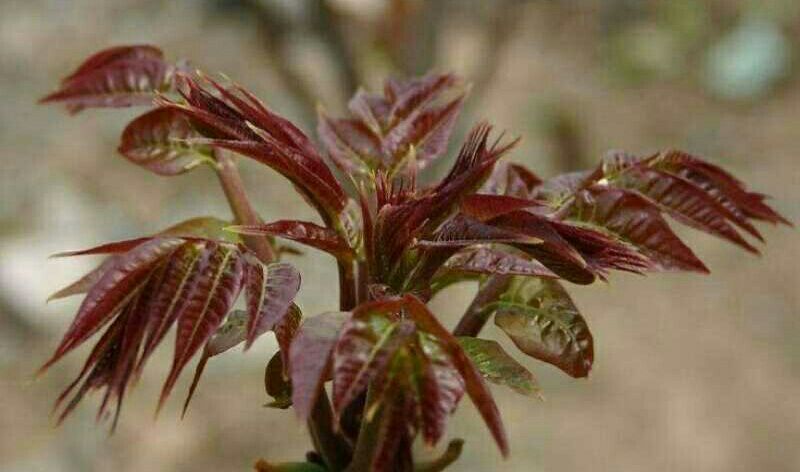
[[177, 282], [120, 77], [685, 201], [496, 366], [270, 291], [475, 386], [86, 282], [554, 251], [235, 120], [513, 180], [364, 348], [159, 141], [309, 358], [541, 319], [441, 387], [231, 333], [285, 331], [217, 289], [722, 186], [114, 288]]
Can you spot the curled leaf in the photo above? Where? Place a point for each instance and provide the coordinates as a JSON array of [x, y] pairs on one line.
[[118, 77], [159, 142], [538, 315]]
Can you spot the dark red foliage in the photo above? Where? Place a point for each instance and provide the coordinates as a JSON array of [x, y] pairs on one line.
[[157, 282], [396, 371]]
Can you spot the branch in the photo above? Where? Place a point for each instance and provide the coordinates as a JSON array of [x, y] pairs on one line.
[[331, 447], [243, 211]]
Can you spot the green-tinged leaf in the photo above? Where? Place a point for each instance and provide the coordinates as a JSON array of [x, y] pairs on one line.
[[309, 358], [206, 227], [496, 366], [230, 334], [538, 315], [158, 141], [277, 384]]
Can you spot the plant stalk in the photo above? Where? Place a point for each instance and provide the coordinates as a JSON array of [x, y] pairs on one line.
[[476, 315], [347, 286], [334, 450], [243, 211]]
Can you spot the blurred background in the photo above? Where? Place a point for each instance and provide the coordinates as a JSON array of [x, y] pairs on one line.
[[692, 373]]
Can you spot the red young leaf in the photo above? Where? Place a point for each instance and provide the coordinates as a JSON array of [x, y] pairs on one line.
[[303, 232], [441, 388], [475, 386], [270, 291], [722, 186], [86, 282], [115, 80], [685, 201], [158, 142], [115, 54], [484, 260], [513, 180], [178, 280], [384, 129], [487, 207], [637, 221], [212, 298], [350, 144], [111, 292], [237, 121], [555, 252], [364, 349], [309, 358]]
